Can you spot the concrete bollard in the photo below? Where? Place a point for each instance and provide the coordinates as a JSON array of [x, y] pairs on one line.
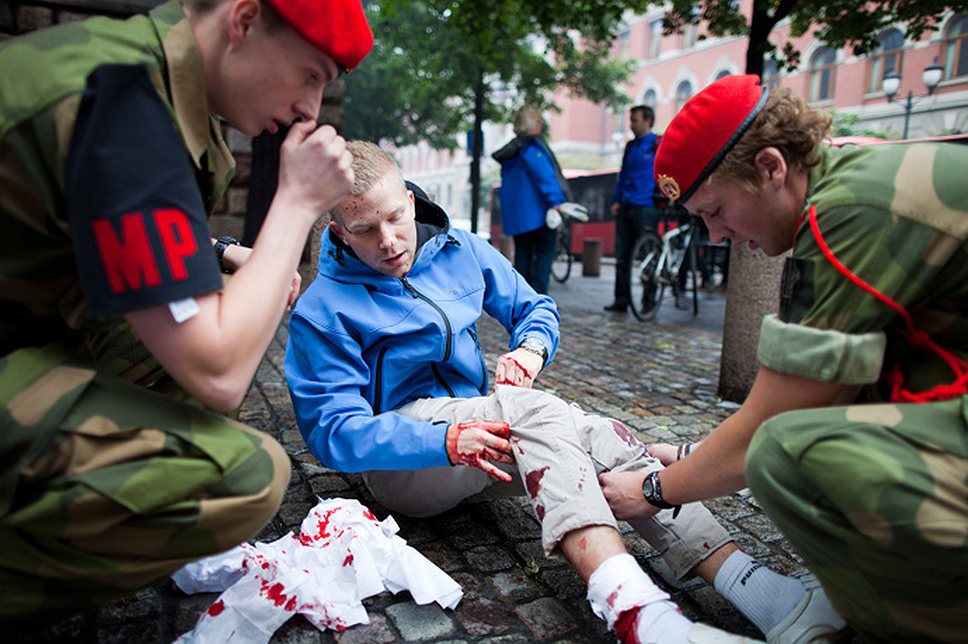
[[507, 248], [591, 257]]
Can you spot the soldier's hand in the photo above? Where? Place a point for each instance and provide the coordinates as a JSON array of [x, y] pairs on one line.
[[315, 168], [518, 368], [623, 491], [478, 442], [666, 453], [236, 256], [669, 454]]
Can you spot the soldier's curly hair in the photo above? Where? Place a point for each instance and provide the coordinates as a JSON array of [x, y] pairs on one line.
[[787, 123]]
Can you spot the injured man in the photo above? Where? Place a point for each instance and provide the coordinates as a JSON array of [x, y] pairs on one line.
[[387, 378]]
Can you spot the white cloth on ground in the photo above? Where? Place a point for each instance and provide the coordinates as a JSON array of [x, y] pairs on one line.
[[342, 555]]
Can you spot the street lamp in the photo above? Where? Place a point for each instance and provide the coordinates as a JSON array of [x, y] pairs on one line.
[[931, 76]]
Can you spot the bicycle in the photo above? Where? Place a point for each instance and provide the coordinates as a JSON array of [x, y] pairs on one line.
[[565, 213], [663, 262]]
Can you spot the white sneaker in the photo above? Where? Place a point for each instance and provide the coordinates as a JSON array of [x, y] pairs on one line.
[[813, 619], [705, 634]]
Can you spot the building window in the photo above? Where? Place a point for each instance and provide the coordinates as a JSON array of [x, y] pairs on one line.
[[723, 73], [650, 98], [689, 30], [683, 94], [822, 74], [956, 53], [655, 40], [771, 74], [888, 58], [623, 51]]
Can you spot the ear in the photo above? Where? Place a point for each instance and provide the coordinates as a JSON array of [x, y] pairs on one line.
[[334, 231], [772, 166], [243, 14]]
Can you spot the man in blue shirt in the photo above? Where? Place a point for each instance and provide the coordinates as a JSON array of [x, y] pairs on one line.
[[632, 205]]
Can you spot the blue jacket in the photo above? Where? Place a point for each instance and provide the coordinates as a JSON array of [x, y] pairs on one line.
[[362, 344], [529, 186], [636, 179]]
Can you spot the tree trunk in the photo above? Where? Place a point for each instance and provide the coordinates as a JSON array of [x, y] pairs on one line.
[[477, 145]]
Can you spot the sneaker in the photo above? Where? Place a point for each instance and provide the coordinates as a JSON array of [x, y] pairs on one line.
[[813, 619], [705, 634]]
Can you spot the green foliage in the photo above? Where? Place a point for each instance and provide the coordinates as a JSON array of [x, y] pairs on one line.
[[838, 23], [845, 124], [431, 56]]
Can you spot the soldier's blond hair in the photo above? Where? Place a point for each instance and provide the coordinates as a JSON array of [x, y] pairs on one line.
[[270, 17], [787, 123]]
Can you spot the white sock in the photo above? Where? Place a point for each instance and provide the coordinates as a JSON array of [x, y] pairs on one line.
[[619, 586], [763, 596]]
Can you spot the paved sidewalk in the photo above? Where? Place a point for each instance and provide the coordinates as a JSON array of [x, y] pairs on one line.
[[659, 378]]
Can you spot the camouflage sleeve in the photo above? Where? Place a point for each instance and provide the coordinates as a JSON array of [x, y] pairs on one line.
[[821, 354], [828, 328]]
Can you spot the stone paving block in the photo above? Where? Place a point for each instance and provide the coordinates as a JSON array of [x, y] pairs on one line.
[[512, 518], [515, 586], [378, 631], [565, 581], [420, 623], [328, 486], [467, 533], [546, 618], [299, 631], [445, 557], [489, 558], [481, 617]]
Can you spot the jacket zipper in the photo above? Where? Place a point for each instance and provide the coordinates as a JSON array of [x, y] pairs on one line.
[[480, 354], [420, 296], [440, 379], [378, 388]]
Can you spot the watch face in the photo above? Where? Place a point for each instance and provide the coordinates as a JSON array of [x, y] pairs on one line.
[[648, 488]]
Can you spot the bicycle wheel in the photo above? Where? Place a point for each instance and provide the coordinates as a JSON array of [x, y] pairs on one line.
[[646, 288], [561, 267]]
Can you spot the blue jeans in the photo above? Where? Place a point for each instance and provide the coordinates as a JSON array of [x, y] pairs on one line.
[[534, 252]]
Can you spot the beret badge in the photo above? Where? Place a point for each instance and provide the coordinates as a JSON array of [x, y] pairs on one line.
[[669, 186]]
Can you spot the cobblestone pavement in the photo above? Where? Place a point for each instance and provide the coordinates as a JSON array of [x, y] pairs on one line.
[[659, 378]]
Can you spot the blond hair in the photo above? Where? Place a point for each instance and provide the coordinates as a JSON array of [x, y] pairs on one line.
[[370, 164], [526, 119], [787, 123], [270, 17]]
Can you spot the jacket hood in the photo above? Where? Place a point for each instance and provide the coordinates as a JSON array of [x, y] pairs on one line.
[[337, 260]]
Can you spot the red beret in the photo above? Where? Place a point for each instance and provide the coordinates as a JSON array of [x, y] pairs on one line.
[[704, 131], [338, 28]]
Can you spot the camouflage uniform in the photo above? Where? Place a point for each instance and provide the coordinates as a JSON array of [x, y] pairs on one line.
[[108, 482], [875, 496]]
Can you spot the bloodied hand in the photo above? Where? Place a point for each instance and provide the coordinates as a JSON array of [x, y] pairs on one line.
[[518, 368], [479, 442]]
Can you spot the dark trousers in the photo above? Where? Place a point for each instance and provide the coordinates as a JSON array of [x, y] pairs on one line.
[[534, 252], [631, 223]]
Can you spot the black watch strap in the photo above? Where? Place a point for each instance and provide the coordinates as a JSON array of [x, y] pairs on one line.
[[652, 491], [221, 243]]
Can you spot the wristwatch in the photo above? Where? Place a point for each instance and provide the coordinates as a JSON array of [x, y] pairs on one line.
[[534, 345], [652, 491], [221, 243]]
